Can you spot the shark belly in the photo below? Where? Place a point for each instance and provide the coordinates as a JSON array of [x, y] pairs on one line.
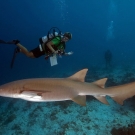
[[57, 94]]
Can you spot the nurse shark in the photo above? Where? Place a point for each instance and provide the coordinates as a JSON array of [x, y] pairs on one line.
[[71, 88]]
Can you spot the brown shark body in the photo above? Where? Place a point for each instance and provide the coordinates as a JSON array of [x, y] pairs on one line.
[[72, 88]]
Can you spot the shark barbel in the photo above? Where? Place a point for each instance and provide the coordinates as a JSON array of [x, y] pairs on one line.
[[72, 88]]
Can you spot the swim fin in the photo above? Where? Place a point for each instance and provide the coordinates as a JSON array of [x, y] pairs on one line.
[[16, 50], [9, 42], [3, 42]]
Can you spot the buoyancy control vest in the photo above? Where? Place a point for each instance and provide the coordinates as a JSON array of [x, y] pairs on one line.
[[50, 36]]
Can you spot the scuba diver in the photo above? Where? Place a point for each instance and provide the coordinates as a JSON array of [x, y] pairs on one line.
[[108, 58], [52, 44]]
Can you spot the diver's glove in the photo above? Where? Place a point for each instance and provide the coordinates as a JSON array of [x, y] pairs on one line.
[[55, 52], [70, 53]]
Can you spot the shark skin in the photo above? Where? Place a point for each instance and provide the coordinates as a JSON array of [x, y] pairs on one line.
[[72, 88]]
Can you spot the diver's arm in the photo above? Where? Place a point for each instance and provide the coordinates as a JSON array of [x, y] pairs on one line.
[[49, 45]]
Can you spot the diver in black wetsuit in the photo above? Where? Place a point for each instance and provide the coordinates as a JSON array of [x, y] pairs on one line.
[[48, 46], [108, 58]]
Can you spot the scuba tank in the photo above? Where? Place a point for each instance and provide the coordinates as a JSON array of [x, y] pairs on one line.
[[53, 32]]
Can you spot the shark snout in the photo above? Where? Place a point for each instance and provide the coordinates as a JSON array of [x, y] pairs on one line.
[[4, 92], [7, 92]]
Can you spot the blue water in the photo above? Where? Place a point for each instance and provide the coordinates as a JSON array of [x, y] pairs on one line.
[[96, 26]]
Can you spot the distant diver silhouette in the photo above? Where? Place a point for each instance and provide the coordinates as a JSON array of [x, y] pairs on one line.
[[108, 58]]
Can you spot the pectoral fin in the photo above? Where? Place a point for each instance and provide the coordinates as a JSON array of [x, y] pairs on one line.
[[81, 100], [30, 94]]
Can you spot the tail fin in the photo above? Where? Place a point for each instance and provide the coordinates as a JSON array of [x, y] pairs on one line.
[[122, 92]]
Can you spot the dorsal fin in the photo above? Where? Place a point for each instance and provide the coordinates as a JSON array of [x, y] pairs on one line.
[[101, 82], [80, 76]]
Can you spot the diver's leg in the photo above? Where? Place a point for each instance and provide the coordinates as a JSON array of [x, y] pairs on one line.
[[2, 42], [25, 51]]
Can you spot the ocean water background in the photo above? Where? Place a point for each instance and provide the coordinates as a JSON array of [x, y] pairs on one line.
[[96, 27], [88, 22]]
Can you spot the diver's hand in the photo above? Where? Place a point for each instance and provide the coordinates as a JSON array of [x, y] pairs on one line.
[[70, 53], [55, 52]]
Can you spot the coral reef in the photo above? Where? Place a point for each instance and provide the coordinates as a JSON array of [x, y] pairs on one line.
[[129, 130]]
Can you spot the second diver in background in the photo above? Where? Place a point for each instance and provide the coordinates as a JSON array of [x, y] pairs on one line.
[[108, 58]]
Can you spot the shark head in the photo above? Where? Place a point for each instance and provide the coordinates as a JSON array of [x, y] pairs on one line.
[[5, 92]]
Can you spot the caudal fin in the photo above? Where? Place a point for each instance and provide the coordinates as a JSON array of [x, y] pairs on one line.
[[122, 92]]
